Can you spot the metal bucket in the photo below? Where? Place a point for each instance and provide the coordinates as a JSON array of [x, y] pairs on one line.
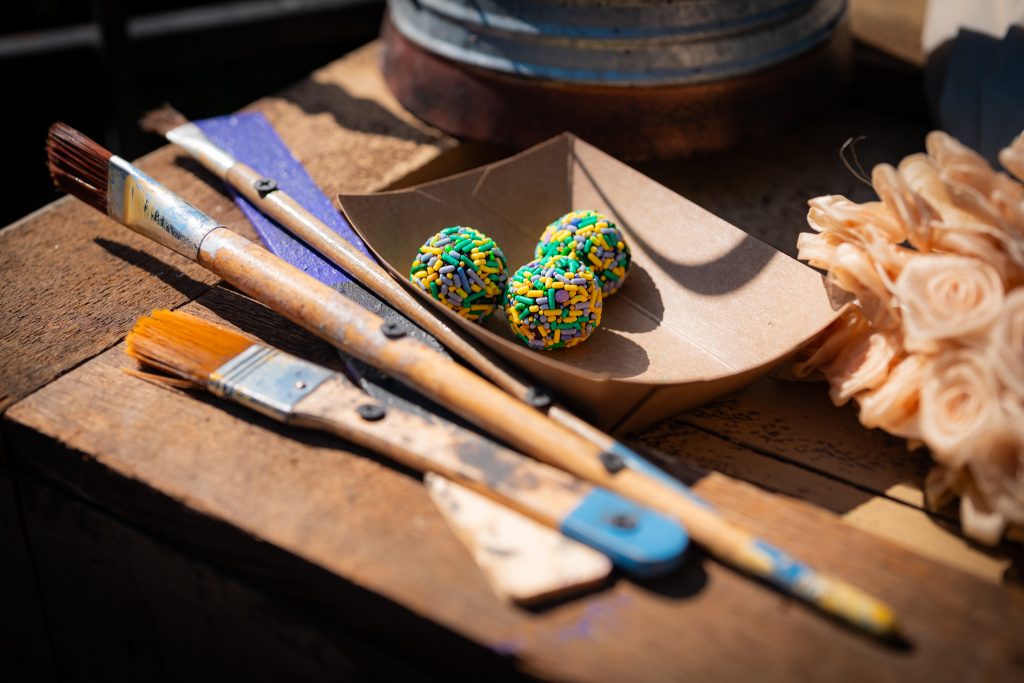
[[677, 50]]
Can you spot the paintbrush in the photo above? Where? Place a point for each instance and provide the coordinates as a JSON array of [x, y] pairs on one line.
[[112, 185], [294, 391]]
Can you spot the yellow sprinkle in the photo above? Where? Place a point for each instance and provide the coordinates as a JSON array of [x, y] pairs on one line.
[[432, 277], [534, 293], [522, 291], [558, 335], [420, 274], [594, 260], [557, 285], [571, 288], [534, 309], [552, 311], [461, 292], [431, 250]]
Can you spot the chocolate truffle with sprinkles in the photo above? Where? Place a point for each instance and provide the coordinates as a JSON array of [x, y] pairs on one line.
[[592, 238], [553, 303], [463, 269]]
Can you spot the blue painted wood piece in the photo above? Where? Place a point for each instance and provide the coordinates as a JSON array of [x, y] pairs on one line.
[[638, 540]]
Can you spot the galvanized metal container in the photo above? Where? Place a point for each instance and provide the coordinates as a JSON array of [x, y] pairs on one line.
[[683, 59]]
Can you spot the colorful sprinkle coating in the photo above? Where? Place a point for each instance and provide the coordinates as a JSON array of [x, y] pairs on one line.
[[592, 238], [463, 269], [553, 303]]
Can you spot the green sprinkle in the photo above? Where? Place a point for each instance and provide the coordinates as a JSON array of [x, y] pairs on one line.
[[433, 290], [521, 299], [448, 258], [485, 246], [418, 267], [551, 299], [610, 274], [589, 220], [588, 245], [520, 306]]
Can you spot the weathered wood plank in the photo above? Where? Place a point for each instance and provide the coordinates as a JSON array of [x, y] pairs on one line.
[[96, 430], [906, 525], [75, 280]]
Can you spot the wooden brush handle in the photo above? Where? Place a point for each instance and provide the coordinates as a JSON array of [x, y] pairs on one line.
[[430, 445]]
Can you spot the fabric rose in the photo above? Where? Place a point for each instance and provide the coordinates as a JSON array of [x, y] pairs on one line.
[[997, 467], [945, 298], [862, 365], [959, 400], [851, 325], [1006, 343], [893, 406]]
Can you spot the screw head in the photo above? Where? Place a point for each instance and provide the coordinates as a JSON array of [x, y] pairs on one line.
[[371, 412], [393, 329], [612, 462], [265, 186], [538, 398], [623, 520]]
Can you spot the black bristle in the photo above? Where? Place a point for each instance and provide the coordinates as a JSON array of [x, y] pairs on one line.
[[78, 165]]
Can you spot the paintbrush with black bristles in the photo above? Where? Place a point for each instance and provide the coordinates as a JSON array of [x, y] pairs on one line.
[[80, 167]]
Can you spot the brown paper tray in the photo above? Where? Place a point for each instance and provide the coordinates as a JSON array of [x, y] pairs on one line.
[[706, 307]]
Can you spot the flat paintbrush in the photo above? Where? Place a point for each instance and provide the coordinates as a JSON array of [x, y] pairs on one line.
[[294, 391], [112, 185]]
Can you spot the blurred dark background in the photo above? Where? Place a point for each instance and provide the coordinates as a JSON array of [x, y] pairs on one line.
[[99, 64]]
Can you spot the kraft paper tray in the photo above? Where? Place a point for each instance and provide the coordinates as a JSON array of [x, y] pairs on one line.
[[706, 307]]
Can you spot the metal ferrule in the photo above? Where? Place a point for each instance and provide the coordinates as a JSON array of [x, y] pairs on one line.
[[267, 380], [147, 207], [194, 141]]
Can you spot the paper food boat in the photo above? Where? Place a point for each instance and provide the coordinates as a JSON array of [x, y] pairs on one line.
[[705, 310]]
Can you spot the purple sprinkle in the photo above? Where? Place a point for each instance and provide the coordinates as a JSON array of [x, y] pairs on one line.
[[536, 343], [541, 300], [561, 296], [579, 281], [475, 278], [446, 269], [432, 261], [443, 242], [563, 279], [444, 289], [463, 278]]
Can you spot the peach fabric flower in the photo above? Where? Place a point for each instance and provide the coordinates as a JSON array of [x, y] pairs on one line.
[[945, 298], [893, 406], [1006, 343], [959, 401], [862, 365]]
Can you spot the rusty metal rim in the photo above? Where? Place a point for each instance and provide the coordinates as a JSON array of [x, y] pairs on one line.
[[633, 51]]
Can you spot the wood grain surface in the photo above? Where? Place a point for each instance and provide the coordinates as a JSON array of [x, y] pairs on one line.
[[365, 523], [122, 480]]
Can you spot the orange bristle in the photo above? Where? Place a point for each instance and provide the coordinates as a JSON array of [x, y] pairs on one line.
[[183, 345], [162, 120], [78, 165]]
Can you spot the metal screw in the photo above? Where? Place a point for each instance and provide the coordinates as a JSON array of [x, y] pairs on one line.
[[299, 384], [538, 398], [371, 412], [623, 520], [612, 462], [265, 186], [393, 329]]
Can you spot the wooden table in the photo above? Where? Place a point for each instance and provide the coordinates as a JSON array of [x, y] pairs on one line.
[[155, 534]]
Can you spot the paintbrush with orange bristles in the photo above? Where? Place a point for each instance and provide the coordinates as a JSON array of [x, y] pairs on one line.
[[294, 391], [112, 185]]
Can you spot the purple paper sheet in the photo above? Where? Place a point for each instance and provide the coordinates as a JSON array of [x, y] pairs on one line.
[[252, 140]]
